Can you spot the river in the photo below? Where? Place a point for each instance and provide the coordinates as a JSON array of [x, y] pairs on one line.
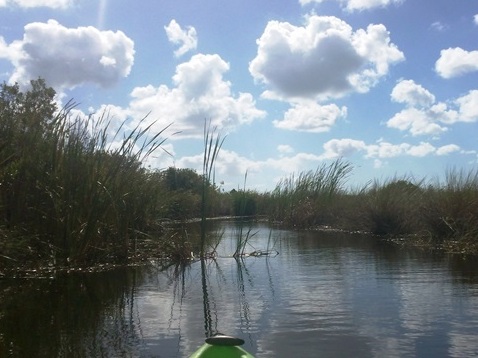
[[325, 294]]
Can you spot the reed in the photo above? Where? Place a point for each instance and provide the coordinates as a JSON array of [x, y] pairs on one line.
[[450, 210], [212, 145], [80, 198], [393, 207], [302, 200]]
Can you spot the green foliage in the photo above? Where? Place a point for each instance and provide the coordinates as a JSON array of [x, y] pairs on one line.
[[68, 196], [244, 202], [302, 201], [450, 210], [182, 180], [393, 207], [65, 193]]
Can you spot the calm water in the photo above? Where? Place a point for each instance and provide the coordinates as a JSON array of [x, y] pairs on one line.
[[325, 295]]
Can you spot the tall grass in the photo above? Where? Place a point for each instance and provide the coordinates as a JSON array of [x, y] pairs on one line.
[[392, 207], [241, 239], [66, 192], [434, 213], [212, 145], [450, 210], [303, 200]]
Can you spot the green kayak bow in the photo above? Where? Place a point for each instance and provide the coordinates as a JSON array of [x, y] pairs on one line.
[[221, 346]]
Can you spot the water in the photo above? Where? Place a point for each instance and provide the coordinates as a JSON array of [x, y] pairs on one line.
[[324, 295]]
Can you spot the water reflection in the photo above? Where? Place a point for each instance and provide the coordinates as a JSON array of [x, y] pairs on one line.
[[75, 315], [327, 293]]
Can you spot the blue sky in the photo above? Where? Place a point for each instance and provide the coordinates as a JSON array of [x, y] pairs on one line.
[[389, 85]]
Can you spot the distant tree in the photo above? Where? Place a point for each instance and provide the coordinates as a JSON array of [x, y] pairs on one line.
[[182, 180], [25, 122]]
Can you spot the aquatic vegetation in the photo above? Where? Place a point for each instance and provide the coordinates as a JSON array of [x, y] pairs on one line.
[[74, 191], [303, 200], [69, 193], [450, 211], [212, 145], [393, 207]]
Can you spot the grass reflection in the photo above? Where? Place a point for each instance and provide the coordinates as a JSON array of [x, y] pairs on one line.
[[74, 315]]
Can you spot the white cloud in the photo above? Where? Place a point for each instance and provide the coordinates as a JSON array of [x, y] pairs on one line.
[[4, 49], [285, 149], [417, 121], [230, 164], [72, 56], [386, 150], [421, 150], [475, 19], [454, 62], [426, 117], [337, 148], [55, 4], [412, 94], [323, 59], [311, 117], [447, 149], [200, 93], [438, 26], [360, 5], [187, 39], [357, 5], [295, 163], [346, 147], [468, 107]]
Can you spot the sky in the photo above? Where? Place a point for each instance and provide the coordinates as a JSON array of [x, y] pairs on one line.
[[389, 86]]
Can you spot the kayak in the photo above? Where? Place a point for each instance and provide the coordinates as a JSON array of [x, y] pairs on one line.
[[222, 346]]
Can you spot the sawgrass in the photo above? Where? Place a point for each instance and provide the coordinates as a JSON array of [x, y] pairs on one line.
[[70, 193]]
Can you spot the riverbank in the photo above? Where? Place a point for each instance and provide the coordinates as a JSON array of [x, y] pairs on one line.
[[72, 197]]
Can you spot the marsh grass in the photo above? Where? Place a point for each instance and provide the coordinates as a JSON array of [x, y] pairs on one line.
[[67, 193], [392, 207], [303, 200], [450, 210], [212, 145], [430, 213]]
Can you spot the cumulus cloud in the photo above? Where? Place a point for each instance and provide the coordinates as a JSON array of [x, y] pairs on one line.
[[200, 92], [357, 5], [424, 116], [323, 59], [475, 19], [185, 38], [417, 122], [230, 164], [454, 62], [55, 4], [346, 147], [447, 149], [73, 56], [311, 117], [412, 94], [468, 105]]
